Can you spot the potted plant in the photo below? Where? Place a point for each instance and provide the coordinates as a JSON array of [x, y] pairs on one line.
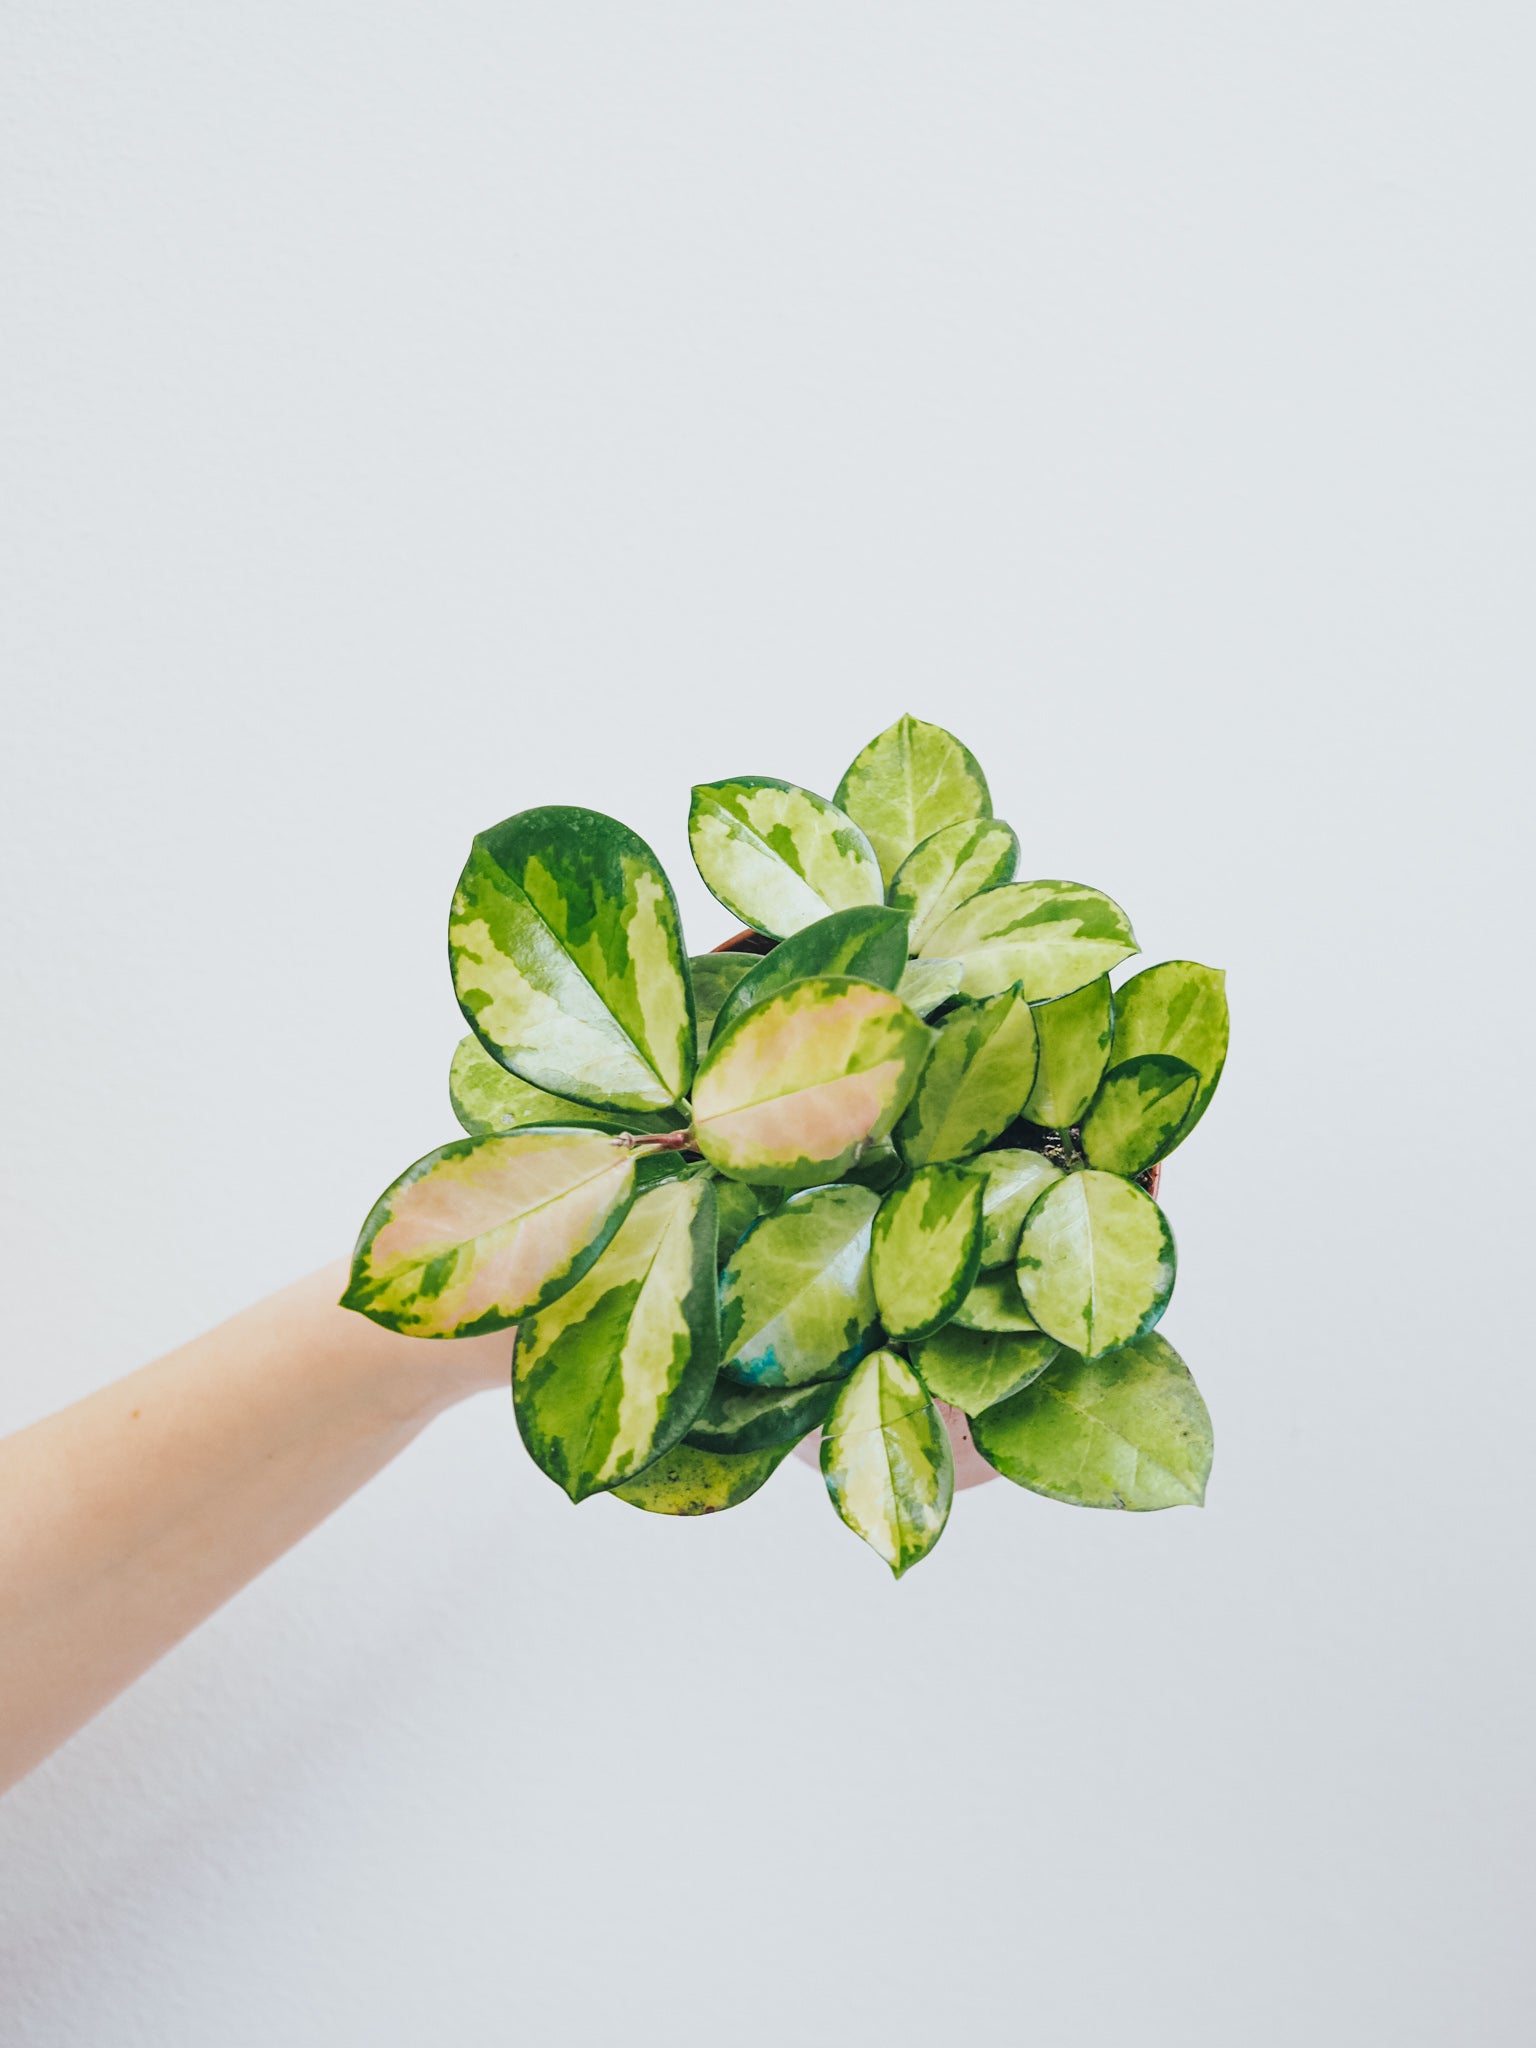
[[888, 1157]]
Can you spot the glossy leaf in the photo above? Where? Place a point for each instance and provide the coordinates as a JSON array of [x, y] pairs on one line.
[[981, 1068], [568, 963], [1074, 1034], [737, 1418], [995, 1303], [689, 1481], [909, 783], [878, 1166], [1052, 937], [1178, 1007], [886, 1459], [1127, 1431], [925, 1249], [868, 944], [487, 1099], [928, 983], [485, 1230], [614, 1373], [1096, 1262], [738, 1207], [1014, 1181], [796, 1301], [714, 975], [779, 856], [973, 1370], [1138, 1111], [950, 868], [793, 1091]]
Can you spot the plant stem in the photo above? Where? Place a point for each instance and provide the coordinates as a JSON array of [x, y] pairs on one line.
[[1068, 1148], [669, 1141]]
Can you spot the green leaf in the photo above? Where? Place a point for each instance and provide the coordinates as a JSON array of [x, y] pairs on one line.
[[736, 1418], [995, 1303], [1074, 1048], [738, 1208], [613, 1374], [1180, 1008], [975, 1082], [868, 944], [796, 1301], [925, 1249], [779, 856], [1138, 1111], [887, 1462], [878, 1166], [567, 959], [1051, 936], [1096, 1262], [908, 784], [950, 868], [485, 1230], [1127, 1431], [714, 975], [687, 1481], [1015, 1179], [487, 1099], [927, 983], [973, 1369], [793, 1091]]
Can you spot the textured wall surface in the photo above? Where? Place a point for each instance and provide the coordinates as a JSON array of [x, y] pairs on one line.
[[412, 414]]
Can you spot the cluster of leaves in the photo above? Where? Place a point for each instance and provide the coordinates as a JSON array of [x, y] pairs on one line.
[[890, 1149]]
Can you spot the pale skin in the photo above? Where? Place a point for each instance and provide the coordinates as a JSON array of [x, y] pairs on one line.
[[128, 1518]]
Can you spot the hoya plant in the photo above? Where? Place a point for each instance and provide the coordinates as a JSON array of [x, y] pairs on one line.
[[888, 1155]]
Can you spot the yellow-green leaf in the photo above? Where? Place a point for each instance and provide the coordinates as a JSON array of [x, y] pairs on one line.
[[909, 783], [925, 1250], [789, 1095], [950, 868], [868, 943], [1015, 1181], [485, 1230], [613, 1374], [974, 1369], [1074, 1034], [779, 856], [736, 1418], [981, 1068], [487, 1099], [568, 963], [1096, 1262], [796, 1300], [995, 1303], [689, 1481], [714, 975], [1138, 1111], [1179, 1008], [1127, 1431], [1052, 937], [886, 1459], [927, 983]]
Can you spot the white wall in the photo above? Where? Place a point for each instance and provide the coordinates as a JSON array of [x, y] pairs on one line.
[[415, 413]]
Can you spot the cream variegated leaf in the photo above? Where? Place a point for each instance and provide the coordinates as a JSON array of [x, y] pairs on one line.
[[796, 1300], [614, 1373], [1051, 937], [925, 1249], [568, 963], [689, 1481], [794, 1091], [974, 1084], [1015, 1179], [1074, 1033], [1177, 1008], [736, 1418], [995, 1303], [868, 943], [485, 1230], [487, 1099], [1096, 1262], [886, 1459], [779, 856], [950, 868], [974, 1369], [1136, 1116], [908, 783], [928, 983]]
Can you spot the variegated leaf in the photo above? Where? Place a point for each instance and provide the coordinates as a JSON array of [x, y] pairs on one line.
[[714, 975], [567, 959], [796, 1301], [950, 868], [613, 1374], [738, 1208], [925, 1250], [1074, 1036], [878, 1166], [779, 856], [1127, 1431], [887, 1462], [1015, 1180], [737, 1418], [973, 1370], [981, 1068], [909, 783], [1052, 937], [487, 1099], [1136, 1115], [793, 1091], [1096, 1262], [928, 983], [867, 944], [995, 1304], [485, 1230], [1178, 1007], [689, 1481]]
